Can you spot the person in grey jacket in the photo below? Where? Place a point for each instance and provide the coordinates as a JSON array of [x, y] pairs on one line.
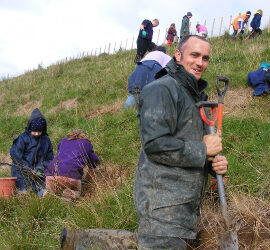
[[184, 31], [173, 165]]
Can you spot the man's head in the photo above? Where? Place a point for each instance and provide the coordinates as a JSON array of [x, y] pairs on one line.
[[189, 14], [155, 22], [193, 53]]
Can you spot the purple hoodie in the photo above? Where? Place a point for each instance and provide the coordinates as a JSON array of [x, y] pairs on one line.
[[72, 156]]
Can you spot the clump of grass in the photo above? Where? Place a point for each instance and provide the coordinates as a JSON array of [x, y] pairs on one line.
[[249, 217]]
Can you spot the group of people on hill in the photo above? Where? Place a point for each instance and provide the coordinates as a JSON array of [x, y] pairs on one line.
[[144, 40], [36, 168], [240, 24]]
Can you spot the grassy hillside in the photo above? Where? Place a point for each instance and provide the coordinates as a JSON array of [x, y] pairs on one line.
[[89, 94]]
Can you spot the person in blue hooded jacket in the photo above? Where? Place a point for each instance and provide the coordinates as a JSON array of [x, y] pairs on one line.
[[255, 24], [145, 72], [31, 153]]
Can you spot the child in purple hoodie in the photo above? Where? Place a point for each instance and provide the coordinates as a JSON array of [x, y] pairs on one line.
[[65, 172]]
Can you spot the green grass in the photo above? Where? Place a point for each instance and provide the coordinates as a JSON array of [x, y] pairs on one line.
[[98, 82]]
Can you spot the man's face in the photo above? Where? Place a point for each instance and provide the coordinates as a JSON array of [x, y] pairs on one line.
[[155, 23], [195, 56]]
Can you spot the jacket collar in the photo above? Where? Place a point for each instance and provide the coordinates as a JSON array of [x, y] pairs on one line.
[[177, 71]]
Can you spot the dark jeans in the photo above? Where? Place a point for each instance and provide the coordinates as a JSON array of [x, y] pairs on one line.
[[25, 180], [143, 45], [255, 32], [234, 33]]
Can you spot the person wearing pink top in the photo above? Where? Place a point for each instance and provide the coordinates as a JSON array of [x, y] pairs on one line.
[[202, 31]]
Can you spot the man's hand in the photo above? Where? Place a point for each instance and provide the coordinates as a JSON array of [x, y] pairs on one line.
[[213, 144], [220, 165]]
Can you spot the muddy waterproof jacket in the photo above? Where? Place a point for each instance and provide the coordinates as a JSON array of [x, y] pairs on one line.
[[172, 169]]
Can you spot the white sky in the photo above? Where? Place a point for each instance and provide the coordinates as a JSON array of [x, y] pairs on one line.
[[46, 31]]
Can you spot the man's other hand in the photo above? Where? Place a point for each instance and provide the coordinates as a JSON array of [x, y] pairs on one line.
[[220, 165], [213, 144]]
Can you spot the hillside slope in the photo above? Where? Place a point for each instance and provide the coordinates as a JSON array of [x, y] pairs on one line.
[[89, 93]]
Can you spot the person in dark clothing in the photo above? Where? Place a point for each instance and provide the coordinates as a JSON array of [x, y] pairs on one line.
[[144, 73], [255, 24], [171, 34], [31, 153], [144, 41], [175, 148], [184, 31]]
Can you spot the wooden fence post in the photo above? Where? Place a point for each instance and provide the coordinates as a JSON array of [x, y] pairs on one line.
[[220, 27], [126, 44], [246, 29], [158, 36], [114, 47], [109, 46], [132, 43], [165, 35], [120, 45], [95, 51], [100, 50], [91, 52], [230, 23], [104, 49], [213, 25], [204, 22], [269, 25]]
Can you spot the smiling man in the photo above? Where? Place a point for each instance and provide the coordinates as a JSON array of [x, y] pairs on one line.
[[173, 164]]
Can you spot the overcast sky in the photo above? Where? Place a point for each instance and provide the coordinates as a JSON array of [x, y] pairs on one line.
[[44, 32]]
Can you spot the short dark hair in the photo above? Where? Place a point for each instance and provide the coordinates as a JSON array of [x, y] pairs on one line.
[[186, 38], [155, 20]]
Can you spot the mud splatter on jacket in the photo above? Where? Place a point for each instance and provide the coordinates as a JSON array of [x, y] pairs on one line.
[[172, 169]]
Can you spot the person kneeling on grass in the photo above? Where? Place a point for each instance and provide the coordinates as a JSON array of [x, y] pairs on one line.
[[31, 153], [65, 172]]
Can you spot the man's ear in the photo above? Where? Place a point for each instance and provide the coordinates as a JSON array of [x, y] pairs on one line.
[[177, 55]]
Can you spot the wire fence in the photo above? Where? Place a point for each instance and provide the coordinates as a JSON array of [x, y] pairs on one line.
[[218, 28]]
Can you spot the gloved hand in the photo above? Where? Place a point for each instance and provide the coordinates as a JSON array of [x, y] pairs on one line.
[[242, 32], [144, 33], [39, 173], [173, 33]]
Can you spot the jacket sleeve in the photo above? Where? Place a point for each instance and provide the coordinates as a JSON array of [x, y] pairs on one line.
[[17, 151], [91, 156], [158, 120], [47, 159]]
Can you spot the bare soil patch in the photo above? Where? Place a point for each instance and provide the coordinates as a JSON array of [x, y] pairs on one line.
[[65, 105], [27, 108], [107, 109], [236, 101], [5, 169]]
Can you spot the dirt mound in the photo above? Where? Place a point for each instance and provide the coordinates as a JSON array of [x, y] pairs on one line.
[[250, 219], [236, 101], [65, 105], [107, 109], [5, 169], [26, 109]]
